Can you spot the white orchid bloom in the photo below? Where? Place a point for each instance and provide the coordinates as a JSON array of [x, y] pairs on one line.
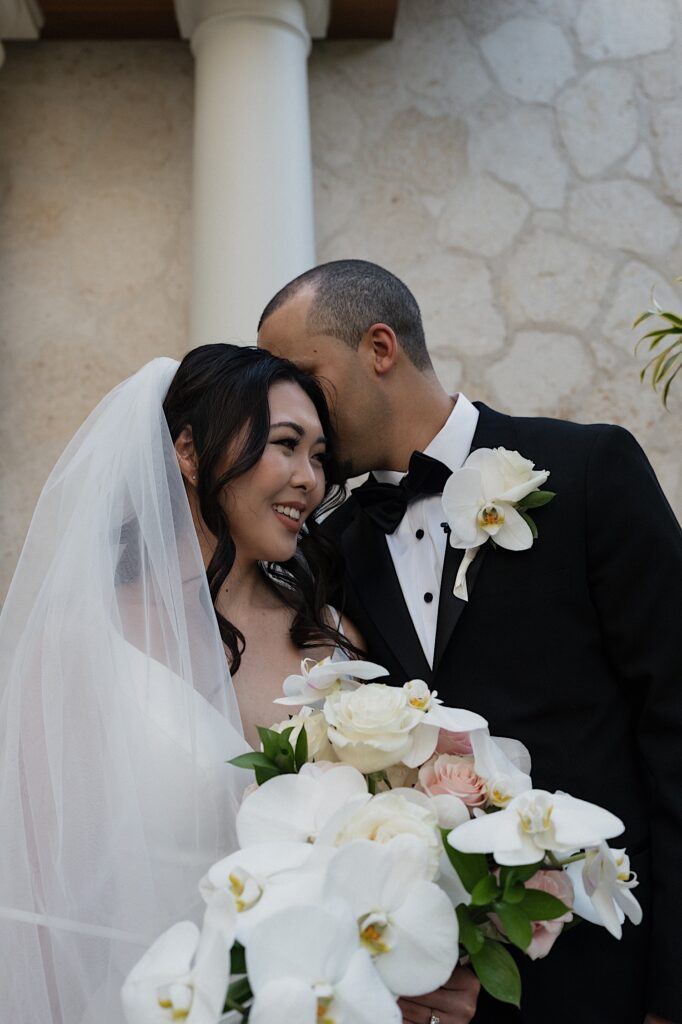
[[165, 986], [315, 725], [306, 964], [479, 503], [320, 678], [534, 822], [602, 884], [435, 711], [266, 877], [404, 920], [502, 763], [295, 808]]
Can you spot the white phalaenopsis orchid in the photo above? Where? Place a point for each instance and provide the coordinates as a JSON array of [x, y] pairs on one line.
[[479, 502], [404, 920], [318, 679], [436, 713], [267, 877], [307, 965], [602, 884], [166, 986], [295, 808], [534, 822], [502, 763]]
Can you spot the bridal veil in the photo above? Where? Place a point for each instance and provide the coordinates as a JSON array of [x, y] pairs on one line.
[[117, 716]]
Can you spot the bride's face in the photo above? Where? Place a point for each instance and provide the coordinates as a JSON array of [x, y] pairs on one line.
[[268, 505]]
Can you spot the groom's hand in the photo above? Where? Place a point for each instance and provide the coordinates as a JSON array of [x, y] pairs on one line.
[[454, 1003]]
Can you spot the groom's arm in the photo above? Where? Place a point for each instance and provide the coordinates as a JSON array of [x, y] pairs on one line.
[[635, 569]]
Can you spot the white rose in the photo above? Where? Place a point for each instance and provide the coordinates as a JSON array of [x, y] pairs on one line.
[[315, 724], [375, 727], [387, 815], [519, 476]]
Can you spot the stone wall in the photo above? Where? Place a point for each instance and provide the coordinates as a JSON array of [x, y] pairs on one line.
[[518, 162]]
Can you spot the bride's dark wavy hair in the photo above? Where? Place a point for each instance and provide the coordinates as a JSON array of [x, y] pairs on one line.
[[221, 393]]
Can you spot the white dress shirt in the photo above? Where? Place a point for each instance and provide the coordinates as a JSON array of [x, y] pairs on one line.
[[417, 546]]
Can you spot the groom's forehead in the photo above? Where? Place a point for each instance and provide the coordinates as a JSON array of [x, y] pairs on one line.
[[285, 333]]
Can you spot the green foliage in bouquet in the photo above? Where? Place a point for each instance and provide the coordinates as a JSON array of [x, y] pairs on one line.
[[665, 341], [504, 895], [278, 756]]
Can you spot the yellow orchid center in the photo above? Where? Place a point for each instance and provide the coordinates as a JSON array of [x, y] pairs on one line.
[[244, 888], [372, 928], [536, 819], [181, 1005], [499, 797], [623, 876], [490, 515], [325, 998], [420, 702]]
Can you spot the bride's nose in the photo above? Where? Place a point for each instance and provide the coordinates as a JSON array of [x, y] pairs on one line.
[[304, 475]]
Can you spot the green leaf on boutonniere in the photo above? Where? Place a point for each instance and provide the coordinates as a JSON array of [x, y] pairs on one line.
[[536, 499], [497, 972], [531, 522]]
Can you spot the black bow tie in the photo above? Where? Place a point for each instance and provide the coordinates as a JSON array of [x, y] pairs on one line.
[[386, 503]]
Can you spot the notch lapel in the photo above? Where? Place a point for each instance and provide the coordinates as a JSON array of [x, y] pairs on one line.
[[370, 567]]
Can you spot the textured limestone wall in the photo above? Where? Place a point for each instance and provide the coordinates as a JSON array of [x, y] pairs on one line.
[[518, 162]]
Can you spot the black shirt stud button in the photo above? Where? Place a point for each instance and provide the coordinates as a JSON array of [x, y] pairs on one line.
[[428, 597], [419, 534]]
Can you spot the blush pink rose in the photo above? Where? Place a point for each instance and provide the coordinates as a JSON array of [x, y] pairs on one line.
[[453, 775], [545, 933], [453, 743]]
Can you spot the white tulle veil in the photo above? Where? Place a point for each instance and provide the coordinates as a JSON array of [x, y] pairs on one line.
[[117, 716]]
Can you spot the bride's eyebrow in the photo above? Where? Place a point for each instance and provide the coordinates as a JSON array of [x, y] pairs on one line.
[[298, 429]]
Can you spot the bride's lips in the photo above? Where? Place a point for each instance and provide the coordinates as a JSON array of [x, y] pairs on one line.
[[293, 525]]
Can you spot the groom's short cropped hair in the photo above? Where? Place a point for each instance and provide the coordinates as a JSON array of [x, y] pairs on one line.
[[351, 295]]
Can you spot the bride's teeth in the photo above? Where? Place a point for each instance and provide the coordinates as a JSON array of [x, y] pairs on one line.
[[292, 513]]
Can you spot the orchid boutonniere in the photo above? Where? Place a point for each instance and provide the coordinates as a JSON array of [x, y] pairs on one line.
[[488, 499]]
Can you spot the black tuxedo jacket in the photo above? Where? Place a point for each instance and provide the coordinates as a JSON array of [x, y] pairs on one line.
[[573, 647]]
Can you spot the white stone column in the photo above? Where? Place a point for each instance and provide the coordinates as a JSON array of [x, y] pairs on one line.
[[252, 189]]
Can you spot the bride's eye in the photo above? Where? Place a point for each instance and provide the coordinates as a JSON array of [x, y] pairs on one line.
[[287, 442]]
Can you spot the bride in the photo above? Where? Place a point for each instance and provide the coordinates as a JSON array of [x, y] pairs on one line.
[[171, 578]]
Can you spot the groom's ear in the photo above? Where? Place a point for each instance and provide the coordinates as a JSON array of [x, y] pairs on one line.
[[186, 455], [379, 348]]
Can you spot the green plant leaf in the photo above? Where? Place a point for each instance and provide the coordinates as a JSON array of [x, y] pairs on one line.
[[536, 499], [256, 759], [642, 317], [511, 876], [269, 741], [514, 892], [516, 924], [540, 906], [238, 993], [497, 972], [471, 867], [265, 774], [470, 935], [301, 751], [238, 959], [485, 891], [531, 523]]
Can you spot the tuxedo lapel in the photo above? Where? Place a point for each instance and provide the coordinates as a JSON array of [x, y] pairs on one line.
[[370, 567], [493, 429]]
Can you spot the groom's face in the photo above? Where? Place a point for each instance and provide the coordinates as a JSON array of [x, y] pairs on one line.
[[340, 371]]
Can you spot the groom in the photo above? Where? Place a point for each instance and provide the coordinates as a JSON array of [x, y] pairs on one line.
[[572, 646]]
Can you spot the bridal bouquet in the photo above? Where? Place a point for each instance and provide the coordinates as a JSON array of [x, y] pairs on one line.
[[387, 838]]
